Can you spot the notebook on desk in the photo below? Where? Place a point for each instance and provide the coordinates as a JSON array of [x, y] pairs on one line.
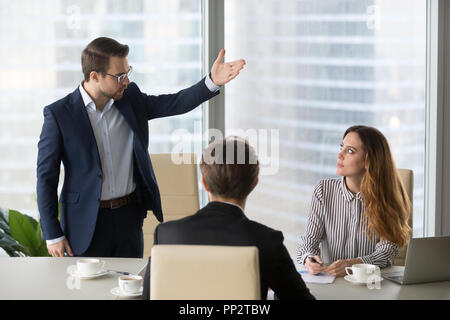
[[321, 278], [427, 260]]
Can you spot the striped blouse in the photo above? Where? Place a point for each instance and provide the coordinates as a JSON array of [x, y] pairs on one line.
[[336, 231]]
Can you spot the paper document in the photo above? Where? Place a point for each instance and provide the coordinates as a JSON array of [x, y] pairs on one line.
[[320, 278]]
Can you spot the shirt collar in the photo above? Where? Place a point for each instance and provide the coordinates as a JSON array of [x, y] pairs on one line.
[[234, 204], [89, 103], [348, 195]]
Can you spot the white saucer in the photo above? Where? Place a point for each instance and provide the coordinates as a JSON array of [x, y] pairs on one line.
[[119, 293], [352, 280], [73, 271]]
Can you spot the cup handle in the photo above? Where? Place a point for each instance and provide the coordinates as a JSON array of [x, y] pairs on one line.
[[346, 270]]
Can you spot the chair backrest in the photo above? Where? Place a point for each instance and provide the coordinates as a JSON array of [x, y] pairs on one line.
[[407, 177], [178, 186], [194, 272]]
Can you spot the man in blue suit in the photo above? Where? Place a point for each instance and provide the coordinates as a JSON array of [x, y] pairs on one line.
[[100, 134]]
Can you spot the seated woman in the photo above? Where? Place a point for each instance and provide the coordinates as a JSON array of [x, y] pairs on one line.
[[361, 217]]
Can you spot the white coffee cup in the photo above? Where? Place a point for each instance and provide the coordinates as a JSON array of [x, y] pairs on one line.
[[130, 283], [361, 272], [89, 267]]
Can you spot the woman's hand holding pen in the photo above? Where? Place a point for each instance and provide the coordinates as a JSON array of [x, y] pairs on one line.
[[314, 265]]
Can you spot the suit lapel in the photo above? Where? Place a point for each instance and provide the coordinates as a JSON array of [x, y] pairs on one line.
[[125, 108], [78, 110]]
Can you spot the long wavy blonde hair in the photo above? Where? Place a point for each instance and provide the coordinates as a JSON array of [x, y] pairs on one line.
[[387, 205]]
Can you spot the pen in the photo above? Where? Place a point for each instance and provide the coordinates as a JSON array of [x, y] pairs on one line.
[[119, 272], [315, 261]]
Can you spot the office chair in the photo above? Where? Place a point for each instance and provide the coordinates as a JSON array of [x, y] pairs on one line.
[[204, 272], [178, 186]]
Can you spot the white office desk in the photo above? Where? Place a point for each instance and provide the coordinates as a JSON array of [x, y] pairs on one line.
[[47, 279], [344, 290]]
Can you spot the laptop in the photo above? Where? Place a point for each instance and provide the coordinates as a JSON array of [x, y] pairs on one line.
[[427, 260]]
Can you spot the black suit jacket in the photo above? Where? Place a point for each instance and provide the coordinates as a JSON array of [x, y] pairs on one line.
[[224, 224]]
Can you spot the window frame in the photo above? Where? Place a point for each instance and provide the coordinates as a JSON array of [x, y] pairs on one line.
[[213, 41]]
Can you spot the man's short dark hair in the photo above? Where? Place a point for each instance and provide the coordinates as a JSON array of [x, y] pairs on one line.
[[230, 168], [95, 57]]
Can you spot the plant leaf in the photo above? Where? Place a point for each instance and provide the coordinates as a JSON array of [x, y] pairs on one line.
[[7, 242], [24, 236], [4, 214], [4, 224], [23, 230], [4, 227], [11, 246], [42, 251]]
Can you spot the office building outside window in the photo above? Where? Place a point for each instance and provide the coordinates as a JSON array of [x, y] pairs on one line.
[[41, 44], [313, 69]]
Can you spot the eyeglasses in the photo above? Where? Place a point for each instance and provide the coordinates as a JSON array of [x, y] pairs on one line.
[[121, 77]]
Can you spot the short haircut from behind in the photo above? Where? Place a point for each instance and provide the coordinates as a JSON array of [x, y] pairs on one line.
[[230, 168]]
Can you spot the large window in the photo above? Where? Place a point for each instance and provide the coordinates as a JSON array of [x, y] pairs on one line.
[[41, 44], [314, 68]]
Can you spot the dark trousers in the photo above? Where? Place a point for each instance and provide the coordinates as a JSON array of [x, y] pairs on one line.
[[118, 233]]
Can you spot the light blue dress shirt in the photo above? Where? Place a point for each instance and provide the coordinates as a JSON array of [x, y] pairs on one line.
[[114, 139]]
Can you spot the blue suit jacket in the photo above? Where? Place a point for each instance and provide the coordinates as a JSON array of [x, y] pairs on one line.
[[67, 136]]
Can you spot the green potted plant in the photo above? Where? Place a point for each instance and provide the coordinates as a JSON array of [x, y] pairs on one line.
[[21, 235]]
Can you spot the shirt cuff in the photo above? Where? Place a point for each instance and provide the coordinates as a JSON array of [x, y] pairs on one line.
[[210, 84], [53, 241], [366, 260], [304, 257]]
